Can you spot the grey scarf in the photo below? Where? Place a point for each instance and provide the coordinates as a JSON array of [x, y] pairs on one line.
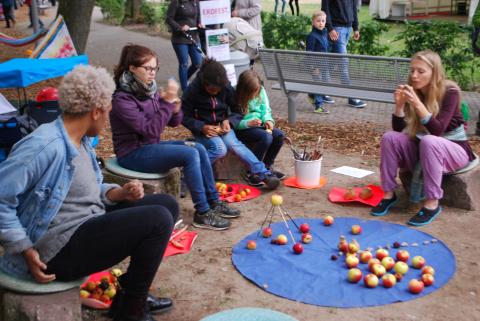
[[131, 84]]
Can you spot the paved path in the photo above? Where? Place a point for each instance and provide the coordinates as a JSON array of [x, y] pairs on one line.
[[106, 41]]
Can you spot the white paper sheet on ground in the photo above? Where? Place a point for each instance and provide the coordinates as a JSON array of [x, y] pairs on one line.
[[231, 75], [5, 106], [352, 171]]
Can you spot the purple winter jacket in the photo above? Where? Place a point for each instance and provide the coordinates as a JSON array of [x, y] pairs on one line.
[[138, 122]]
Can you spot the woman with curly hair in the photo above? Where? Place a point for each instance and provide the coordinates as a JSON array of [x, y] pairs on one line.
[[59, 221], [434, 141]]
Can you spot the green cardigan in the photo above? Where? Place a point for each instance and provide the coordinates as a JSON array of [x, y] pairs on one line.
[[258, 108]]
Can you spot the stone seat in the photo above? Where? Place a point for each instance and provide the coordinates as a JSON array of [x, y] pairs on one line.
[[461, 189], [168, 182], [229, 168], [31, 301]]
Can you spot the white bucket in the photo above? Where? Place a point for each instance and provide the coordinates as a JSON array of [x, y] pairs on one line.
[[307, 173]]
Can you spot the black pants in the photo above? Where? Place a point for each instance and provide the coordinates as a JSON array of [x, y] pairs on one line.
[[264, 145], [7, 12], [140, 230]]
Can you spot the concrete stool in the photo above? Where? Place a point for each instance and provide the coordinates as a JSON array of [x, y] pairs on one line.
[[228, 168], [249, 314], [24, 300], [168, 182], [461, 189]]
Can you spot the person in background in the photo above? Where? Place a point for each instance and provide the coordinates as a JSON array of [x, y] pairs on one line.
[[139, 117], [183, 17], [317, 41], [248, 10], [59, 221], [290, 3], [207, 106], [30, 14], [284, 2], [434, 141], [256, 129], [7, 7], [342, 18]]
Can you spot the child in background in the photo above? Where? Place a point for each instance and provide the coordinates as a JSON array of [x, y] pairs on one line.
[[256, 129], [317, 41]]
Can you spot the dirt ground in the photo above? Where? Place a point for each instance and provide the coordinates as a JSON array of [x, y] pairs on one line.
[[204, 281]]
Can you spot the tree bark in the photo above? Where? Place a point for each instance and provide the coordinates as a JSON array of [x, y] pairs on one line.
[[77, 15], [132, 10]]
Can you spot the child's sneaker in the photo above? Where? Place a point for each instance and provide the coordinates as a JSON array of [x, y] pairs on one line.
[[328, 100], [321, 110]]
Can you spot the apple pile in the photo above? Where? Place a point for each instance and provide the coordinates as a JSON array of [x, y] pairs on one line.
[[223, 189], [103, 290]]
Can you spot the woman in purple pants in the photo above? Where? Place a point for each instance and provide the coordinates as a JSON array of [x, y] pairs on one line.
[[428, 137]]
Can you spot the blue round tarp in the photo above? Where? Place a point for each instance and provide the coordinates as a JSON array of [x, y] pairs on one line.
[[314, 278]]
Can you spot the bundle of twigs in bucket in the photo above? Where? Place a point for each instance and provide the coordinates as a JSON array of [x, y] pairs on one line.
[[306, 155]]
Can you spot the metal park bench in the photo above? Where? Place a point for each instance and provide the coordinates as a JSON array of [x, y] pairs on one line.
[[351, 76]]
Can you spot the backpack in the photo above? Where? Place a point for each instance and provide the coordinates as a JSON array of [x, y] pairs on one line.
[[14, 127], [244, 37]]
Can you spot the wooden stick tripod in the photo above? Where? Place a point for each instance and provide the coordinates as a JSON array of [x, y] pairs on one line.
[[283, 213]]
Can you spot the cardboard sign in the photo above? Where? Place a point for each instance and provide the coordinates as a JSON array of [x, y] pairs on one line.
[[214, 12], [218, 44]]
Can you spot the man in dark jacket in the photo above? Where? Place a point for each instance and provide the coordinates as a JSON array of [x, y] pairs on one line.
[[341, 19], [207, 113]]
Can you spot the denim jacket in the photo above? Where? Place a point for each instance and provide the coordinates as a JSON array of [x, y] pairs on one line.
[[36, 178]]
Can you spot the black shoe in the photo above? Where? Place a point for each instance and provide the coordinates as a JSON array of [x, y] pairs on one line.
[[223, 210], [328, 100], [210, 220], [253, 180], [136, 311], [356, 103], [278, 174], [384, 206], [424, 216], [154, 305], [271, 181], [158, 305]]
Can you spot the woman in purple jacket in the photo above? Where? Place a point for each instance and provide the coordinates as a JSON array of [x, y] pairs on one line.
[[434, 141], [139, 116]]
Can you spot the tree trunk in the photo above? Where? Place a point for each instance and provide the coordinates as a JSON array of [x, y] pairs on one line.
[[132, 10], [77, 15]]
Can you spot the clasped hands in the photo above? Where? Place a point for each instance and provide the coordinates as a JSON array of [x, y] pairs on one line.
[[216, 130], [170, 94], [406, 94]]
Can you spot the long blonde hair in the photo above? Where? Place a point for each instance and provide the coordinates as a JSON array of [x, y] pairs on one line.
[[248, 88], [434, 94]]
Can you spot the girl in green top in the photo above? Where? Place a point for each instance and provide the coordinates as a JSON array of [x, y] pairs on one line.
[[256, 129]]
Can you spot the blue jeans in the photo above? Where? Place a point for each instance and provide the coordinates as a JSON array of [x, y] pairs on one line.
[[183, 50], [159, 158], [265, 146], [340, 47], [218, 146]]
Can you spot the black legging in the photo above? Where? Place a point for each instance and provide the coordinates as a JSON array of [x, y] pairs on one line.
[[140, 230], [296, 5], [7, 12]]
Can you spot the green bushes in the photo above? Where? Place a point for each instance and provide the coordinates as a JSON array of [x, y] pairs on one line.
[[284, 32], [155, 14], [450, 40], [113, 10], [369, 42]]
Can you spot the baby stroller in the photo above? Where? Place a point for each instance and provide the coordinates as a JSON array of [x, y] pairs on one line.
[[244, 37]]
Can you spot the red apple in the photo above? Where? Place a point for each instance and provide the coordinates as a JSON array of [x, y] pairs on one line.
[[267, 232], [306, 238], [427, 279], [415, 286], [418, 262], [378, 270], [251, 245], [343, 246], [248, 191], [298, 248], [356, 229], [365, 256], [388, 263], [370, 280], [389, 280], [328, 220], [304, 228], [282, 239], [277, 200], [354, 275], [372, 262], [403, 256], [353, 247], [428, 269], [381, 253], [351, 261], [400, 267]]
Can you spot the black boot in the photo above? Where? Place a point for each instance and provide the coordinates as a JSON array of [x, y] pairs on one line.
[[132, 309], [154, 305]]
